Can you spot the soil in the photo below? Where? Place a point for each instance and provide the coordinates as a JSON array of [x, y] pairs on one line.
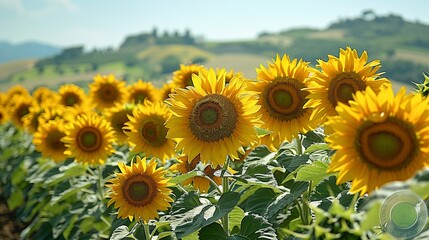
[[10, 227]]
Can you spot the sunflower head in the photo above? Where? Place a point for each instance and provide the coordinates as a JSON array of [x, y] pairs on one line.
[[117, 117], [47, 140], [183, 77], [281, 88], [31, 120], [4, 115], [379, 138], [165, 91], [340, 77], [55, 112], [147, 131], [107, 91], [140, 91], [44, 95], [184, 166], [140, 190], [17, 91], [21, 108], [89, 139], [71, 95], [423, 88], [212, 119]]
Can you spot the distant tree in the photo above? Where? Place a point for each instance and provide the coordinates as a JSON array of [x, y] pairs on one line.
[[176, 34], [199, 59], [40, 68], [94, 66], [368, 15], [170, 63], [154, 32]]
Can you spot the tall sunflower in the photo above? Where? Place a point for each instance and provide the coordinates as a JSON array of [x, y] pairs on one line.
[[339, 78], [20, 108], [107, 91], [147, 131], [89, 139], [165, 91], [4, 115], [31, 120], [71, 95], [140, 190], [183, 77], [47, 140], [199, 183], [379, 138], [44, 95], [140, 91], [212, 119], [117, 117], [282, 95]]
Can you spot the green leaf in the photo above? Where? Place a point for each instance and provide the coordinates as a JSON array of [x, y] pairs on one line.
[[258, 201], [314, 172], [317, 147], [185, 203], [235, 218], [258, 153], [66, 172], [208, 214], [285, 199], [213, 231], [292, 162], [255, 227], [371, 217], [16, 199], [183, 177], [69, 192], [262, 132], [259, 173], [326, 188], [120, 233]]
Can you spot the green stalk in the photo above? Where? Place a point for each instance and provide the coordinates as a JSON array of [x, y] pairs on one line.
[[146, 231], [225, 188], [100, 183], [298, 145]]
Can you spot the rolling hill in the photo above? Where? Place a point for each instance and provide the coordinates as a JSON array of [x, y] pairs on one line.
[[401, 45]]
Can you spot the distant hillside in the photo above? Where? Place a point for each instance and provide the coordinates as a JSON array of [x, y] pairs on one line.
[[29, 50], [401, 45]]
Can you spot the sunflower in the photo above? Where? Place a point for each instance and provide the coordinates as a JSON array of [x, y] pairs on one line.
[[117, 117], [140, 91], [147, 131], [55, 112], [20, 108], [47, 140], [4, 116], [282, 95], [379, 138], [199, 183], [228, 75], [213, 120], [107, 91], [89, 139], [183, 77], [44, 95], [140, 191], [165, 91], [183, 166], [31, 120], [339, 78], [71, 95], [17, 91]]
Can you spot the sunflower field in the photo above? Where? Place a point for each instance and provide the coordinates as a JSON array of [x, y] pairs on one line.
[[300, 152]]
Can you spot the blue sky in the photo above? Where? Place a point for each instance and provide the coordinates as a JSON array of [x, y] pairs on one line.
[[98, 23]]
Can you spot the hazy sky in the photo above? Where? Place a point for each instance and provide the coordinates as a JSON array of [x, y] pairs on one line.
[[102, 23]]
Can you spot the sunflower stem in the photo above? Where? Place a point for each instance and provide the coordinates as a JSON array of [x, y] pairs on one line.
[[298, 145], [146, 231], [100, 183], [225, 188], [213, 183]]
